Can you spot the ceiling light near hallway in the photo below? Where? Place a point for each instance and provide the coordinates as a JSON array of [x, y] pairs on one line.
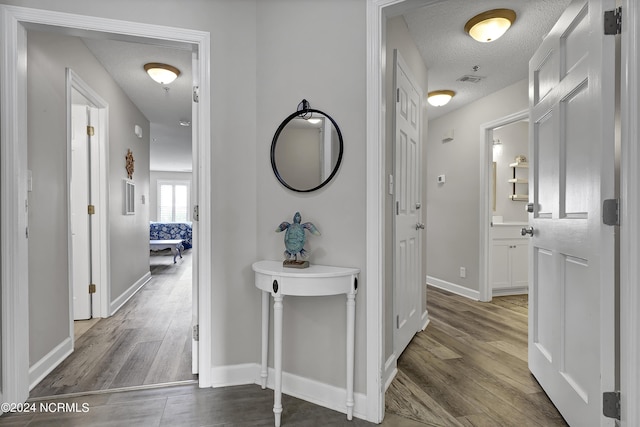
[[161, 73], [490, 25], [438, 98]]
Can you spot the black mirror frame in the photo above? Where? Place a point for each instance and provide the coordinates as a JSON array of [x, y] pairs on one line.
[[284, 123]]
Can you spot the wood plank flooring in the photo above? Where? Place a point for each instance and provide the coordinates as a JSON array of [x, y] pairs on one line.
[[148, 341], [469, 367]]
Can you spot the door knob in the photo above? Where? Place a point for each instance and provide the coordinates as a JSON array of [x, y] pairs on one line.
[[527, 230], [419, 226]]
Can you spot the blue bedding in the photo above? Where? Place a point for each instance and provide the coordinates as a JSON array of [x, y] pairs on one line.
[[171, 231]]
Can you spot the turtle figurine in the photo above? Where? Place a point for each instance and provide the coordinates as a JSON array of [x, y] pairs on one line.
[[294, 240]]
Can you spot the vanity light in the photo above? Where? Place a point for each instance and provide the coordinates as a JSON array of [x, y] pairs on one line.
[[161, 73], [184, 123], [438, 98], [490, 25], [314, 121]]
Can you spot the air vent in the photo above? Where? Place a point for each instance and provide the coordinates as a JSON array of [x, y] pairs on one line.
[[471, 79]]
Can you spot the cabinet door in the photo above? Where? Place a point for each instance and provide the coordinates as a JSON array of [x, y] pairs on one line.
[[500, 276], [519, 265]]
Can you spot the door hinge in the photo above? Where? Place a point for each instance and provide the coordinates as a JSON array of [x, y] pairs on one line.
[[611, 212], [196, 212], [92, 288], [196, 93], [397, 207], [611, 404], [90, 131], [613, 21], [91, 209], [397, 321], [196, 332], [398, 95]]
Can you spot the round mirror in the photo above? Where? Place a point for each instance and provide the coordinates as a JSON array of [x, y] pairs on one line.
[[306, 151]]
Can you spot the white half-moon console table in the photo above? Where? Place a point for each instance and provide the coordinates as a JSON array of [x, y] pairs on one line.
[[316, 280]]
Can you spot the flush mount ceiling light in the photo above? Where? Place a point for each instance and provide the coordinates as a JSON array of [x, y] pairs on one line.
[[161, 73], [438, 98], [490, 25]]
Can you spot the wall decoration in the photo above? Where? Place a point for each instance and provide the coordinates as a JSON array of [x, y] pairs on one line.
[[129, 164], [129, 203], [294, 240]]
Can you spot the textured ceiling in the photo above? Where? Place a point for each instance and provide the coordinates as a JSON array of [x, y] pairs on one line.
[[124, 61], [449, 53], [437, 29]]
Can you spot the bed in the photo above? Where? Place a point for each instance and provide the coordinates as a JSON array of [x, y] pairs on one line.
[[171, 231]]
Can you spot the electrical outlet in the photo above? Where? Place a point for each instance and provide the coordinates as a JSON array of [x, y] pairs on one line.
[[463, 272]]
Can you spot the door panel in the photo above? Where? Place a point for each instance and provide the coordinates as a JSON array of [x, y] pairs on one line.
[[572, 316], [79, 218], [408, 268]]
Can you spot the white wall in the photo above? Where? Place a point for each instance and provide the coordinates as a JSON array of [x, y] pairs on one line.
[[232, 25], [398, 37], [315, 50], [48, 56], [453, 227], [261, 69], [515, 142], [153, 188]]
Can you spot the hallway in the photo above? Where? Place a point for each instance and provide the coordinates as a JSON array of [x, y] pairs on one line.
[[469, 367], [147, 341]]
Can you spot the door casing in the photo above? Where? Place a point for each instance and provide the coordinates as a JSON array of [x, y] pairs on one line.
[[13, 166], [377, 13]]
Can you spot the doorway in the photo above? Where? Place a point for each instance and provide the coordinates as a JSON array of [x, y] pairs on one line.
[[503, 196], [15, 345]]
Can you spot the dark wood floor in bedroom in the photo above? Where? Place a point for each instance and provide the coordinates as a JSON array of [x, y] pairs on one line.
[[148, 341]]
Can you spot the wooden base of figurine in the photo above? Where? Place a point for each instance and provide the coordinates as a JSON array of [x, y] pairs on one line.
[[295, 264]]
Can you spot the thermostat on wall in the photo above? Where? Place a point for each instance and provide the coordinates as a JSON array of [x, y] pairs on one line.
[[441, 179]]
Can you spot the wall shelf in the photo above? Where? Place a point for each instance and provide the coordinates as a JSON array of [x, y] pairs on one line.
[[518, 181]]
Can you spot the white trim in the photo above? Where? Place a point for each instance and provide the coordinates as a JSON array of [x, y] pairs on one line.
[[126, 295], [390, 370], [502, 292], [101, 260], [375, 208], [230, 375], [13, 219], [425, 320], [318, 393], [630, 220], [48, 363], [453, 288], [13, 137], [486, 159]]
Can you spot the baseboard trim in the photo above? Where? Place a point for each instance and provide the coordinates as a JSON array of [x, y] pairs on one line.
[[521, 290], [390, 370], [126, 295], [453, 288], [48, 363], [303, 388], [425, 320]]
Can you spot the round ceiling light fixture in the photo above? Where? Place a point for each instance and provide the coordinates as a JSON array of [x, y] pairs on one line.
[[490, 25], [161, 73], [438, 98]]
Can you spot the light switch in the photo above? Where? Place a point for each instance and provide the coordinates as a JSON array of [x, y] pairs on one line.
[[441, 179]]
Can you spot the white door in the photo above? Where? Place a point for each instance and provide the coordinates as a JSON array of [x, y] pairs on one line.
[[80, 221], [408, 218], [195, 185], [571, 311]]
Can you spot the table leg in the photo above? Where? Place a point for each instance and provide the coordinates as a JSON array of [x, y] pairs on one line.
[[277, 357], [265, 338], [174, 251], [351, 322]]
